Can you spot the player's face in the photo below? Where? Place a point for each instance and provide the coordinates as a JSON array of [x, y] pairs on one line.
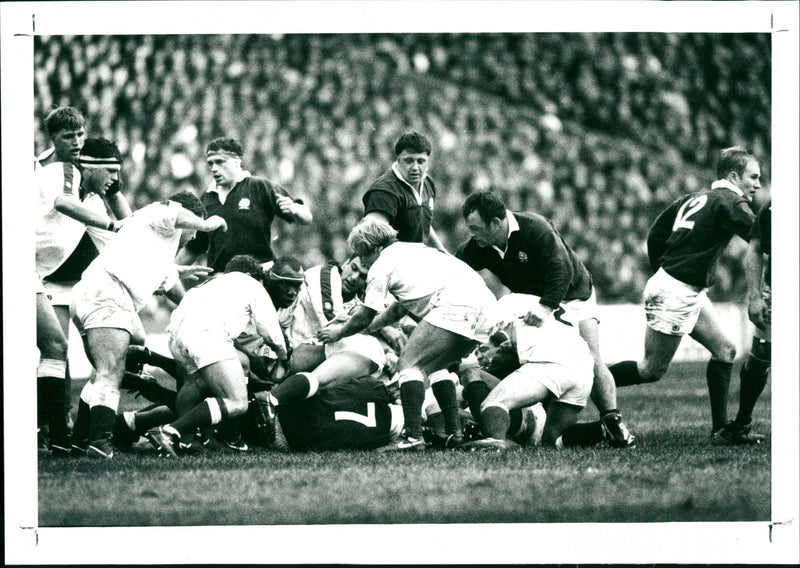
[[412, 166], [283, 293], [99, 180], [749, 182], [353, 282], [224, 167], [485, 234], [367, 262], [68, 144]]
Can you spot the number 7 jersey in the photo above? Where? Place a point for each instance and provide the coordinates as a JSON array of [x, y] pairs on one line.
[[689, 236]]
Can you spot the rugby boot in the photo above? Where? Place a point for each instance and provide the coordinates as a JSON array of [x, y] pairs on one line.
[[440, 441], [615, 432], [733, 434], [406, 443], [489, 444], [163, 440], [100, 449]]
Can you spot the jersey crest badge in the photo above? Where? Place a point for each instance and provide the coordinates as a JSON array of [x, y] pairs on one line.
[[522, 256], [244, 203]]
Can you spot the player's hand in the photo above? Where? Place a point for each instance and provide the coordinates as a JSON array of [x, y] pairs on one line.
[[537, 315], [194, 273], [216, 222], [330, 333], [759, 313], [285, 204], [394, 337]]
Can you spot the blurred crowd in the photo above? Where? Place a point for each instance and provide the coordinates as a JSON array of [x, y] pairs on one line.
[[597, 131]]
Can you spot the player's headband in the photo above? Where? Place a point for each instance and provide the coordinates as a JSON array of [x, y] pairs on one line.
[[289, 279], [91, 162], [223, 153]]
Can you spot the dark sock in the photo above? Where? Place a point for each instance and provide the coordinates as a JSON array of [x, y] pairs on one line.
[[515, 417], [412, 395], [168, 364], [582, 435], [475, 393], [445, 393], [195, 418], [435, 422], [152, 417], [718, 378], [230, 429], [80, 430], [625, 373], [754, 374], [102, 421], [292, 389], [495, 422], [52, 395]]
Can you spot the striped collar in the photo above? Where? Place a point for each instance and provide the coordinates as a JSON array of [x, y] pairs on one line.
[[417, 194], [723, 183]]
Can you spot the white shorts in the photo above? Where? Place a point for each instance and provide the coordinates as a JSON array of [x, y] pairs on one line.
[[100, 300], [569, 385], [364, 345], [197, 348], [464, 312], [582, 310], [60, 293], [671, 306]]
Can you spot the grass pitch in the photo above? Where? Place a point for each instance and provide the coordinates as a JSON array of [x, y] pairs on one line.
[[674, 474]]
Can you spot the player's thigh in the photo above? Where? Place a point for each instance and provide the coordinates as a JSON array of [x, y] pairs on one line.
[[226, 379], [518, 389], [476, 374], [62, 313], [589, 330], [50, 338], [342, 366], [108, 347], [306, 357], [559, 417], [709, 333], [659, 349], [431, 348]]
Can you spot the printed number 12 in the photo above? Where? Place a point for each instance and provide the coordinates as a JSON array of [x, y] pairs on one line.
[[687, 210]]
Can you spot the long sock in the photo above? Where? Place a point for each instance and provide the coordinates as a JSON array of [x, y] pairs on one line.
[[80, 430], [582, 435], [168, 364], [718, 378], [412, 395], [754, 374], [293, 389], [52, 391], [625, 373], [102, 421], [515, 417], [158, 416], [495, 422], [210, 411], [475, 393], [445, 393]]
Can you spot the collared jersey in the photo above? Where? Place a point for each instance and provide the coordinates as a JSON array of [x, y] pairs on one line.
[[249, 210], [413, 273], [536, 261], [227, 304], [409, 212], [762, 230], [142, 255], [690, 235]]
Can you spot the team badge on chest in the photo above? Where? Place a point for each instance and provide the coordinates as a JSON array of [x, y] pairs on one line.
[[244, 203], [522, 256]]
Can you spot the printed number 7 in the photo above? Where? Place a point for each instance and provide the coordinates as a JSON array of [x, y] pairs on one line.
[[687, 210], [368, 420]]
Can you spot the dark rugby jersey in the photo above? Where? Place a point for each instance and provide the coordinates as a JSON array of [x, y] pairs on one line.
[[395, 199], [248, 210], [688, 237], [762, 230], [353, 415], [537, 261]]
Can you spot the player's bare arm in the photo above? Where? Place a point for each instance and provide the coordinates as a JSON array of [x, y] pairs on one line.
[[299, 211], [359, 321], [754, 270], [80, 212]]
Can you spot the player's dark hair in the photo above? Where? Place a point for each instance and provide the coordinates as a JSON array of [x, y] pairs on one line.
[[189, 201], [286, 267], [414, 143], [225, 145], [63, 118], [733, 159], [246, 264], [101, 148], [487, 204]]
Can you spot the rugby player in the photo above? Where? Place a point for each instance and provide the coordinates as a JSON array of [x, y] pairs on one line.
[[404, 195], [524, 253], [201, 332], [116, 285], [683, 247], [248, 204], [755, 371], [448, 299]]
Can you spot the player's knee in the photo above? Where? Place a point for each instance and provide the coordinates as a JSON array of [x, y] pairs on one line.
[[725, 352], [651, 372], [54, 347]]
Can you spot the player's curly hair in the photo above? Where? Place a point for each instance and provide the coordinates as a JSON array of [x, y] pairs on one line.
[[63, 118], [246, 264], [189, 201], [369, 235], [487, 204], [225, 145], [101, 148], [414, 142], [733, 159]]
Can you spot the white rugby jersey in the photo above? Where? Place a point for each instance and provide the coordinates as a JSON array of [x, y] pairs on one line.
[[57, 234], [227, 304], [412, 273], [556, 341], [142, 255]]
